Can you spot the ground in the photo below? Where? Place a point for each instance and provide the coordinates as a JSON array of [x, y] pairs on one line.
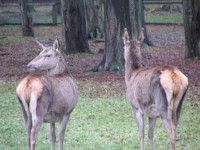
[[16, 52], [102, 118]]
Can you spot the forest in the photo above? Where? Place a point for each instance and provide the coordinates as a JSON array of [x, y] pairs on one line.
[[162, 38]]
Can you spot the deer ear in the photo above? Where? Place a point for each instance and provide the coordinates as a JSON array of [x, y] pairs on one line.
[[141, 36], [56, 45], [40, 44], [125, 37]]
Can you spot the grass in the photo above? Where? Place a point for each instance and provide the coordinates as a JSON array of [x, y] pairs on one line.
[[175, 18], [102, 120], [43, 15]]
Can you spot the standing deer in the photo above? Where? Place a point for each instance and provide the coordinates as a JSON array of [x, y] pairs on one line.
[[154, 91], [47, 98]]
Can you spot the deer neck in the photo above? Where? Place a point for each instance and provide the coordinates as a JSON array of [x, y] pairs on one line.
[[59, 68], [131, 66]]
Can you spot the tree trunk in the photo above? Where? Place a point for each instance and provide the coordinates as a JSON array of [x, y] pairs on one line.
[[74, 26], [137, 20], [192, 27], [30, 7], [26, 19], [118, 15], [116, 19], [95, 18]]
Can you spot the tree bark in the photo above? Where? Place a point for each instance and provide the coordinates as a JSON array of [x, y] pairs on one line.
[[137, 20], [120, 14], [27, 29], [74, 26], [192, 27], [95, 18], [116, 18]]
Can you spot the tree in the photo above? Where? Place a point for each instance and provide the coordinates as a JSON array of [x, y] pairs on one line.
[[95, 18], [74, 26], [27, 29], [118, 15], [191, 10], [137, 20]]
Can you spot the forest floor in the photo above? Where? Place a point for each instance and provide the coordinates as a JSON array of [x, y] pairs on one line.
[[102, 118], [16, 51]]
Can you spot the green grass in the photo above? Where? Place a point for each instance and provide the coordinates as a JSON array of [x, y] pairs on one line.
[[102, 120], [177, 18]]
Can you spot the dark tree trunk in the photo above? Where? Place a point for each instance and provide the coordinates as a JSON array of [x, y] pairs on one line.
[[116, 18], [137, 20], [27, 29], [74, 26], [30, 7], [118, 15], [95, 18], [192, 27]]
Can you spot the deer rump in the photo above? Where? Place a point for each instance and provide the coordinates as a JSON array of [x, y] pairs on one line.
[[46, 97], [153, 90]]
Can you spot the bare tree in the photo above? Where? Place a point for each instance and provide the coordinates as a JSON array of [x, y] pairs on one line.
[[95, 18], [119, 14], [192, 27], [116, 18], [74, 26], [137, 19], [27, 29]]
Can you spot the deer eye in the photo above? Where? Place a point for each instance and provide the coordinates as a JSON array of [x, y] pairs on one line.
[[47, 56]]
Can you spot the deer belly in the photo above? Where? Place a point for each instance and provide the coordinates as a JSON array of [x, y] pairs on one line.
[[152, 111], [52, 117]]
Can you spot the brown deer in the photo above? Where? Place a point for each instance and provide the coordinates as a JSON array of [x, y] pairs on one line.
[[47, 98], [154, 91]]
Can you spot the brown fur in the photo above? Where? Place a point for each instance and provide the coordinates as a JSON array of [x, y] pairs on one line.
[[28, 85]]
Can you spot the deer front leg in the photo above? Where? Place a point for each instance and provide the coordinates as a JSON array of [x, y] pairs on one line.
[[53, 135], [62, 130], [152, 122], [140, 123]]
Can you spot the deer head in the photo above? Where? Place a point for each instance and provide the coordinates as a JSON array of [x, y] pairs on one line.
[[47, 59], [132, 53]]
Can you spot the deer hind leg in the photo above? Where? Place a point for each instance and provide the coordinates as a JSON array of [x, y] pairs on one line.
[[37, 123], [53, 135], [152, 122], [62, 130], [140, 124], [38, 109], [27, 120], [28, 130], [171, 129]]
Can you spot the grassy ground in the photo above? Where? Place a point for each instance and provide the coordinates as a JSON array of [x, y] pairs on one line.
[[102, 120], [173, 18], [43, 15]]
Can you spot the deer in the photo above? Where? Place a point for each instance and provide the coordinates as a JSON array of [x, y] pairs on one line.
[[48, 97], [152, 91]]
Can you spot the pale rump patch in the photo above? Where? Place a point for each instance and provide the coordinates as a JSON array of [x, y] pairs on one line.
[[173, 81], [28, 85], [184, 79], [167, 84]]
